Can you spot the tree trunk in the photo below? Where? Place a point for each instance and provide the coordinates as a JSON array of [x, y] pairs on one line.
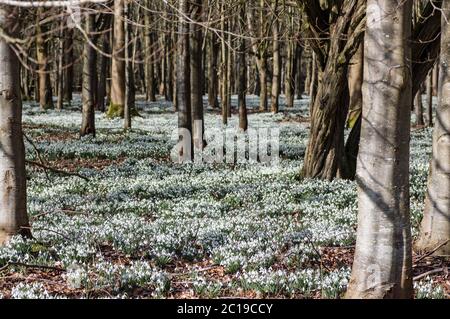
[[45, 88], [13, 204], [116, 107], [242, 72], [276, 74], [435, 228], [224, 69], [130, 89], [418, 108], [290, 74], [60, 74], [430, 100], [104, 71], [149, 65], [299, 76], [183, 90], [382, 266], [355, 80], [214, 49], [325, 151], [196, 70], [89, 83], [68, 64]]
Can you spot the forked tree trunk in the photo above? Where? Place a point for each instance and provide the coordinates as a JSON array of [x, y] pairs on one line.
[[13, 204], [435, 228], [324, 155], [382, 266], [89, 83], [116, 107]]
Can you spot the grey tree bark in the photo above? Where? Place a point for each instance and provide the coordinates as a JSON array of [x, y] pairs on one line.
[[13, 204], [196, 42], [242, 72], [276, 73], [183, 83], [383, 258], [89, 82], [435, 228]]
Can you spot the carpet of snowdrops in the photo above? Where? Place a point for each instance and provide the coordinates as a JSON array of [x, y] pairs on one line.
[[143, 227]]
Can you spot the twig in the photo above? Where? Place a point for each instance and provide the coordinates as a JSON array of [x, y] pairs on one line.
[[432, 252], [32, 266], [55, 170], [38, 153], [431, 272]]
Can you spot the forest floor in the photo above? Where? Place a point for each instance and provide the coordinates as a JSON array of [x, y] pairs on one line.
[[139, 226]]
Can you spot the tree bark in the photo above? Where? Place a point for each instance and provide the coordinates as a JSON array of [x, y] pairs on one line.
[[13, 190], [45, 88], [69, 65], [418, 109], [325, 156], [435, 228], [183, 90], [430, 99], [276, 74], [196, 42], [116, 107], [89, 83], [213, 53], [242, 72], [382, 266], [149, 47]]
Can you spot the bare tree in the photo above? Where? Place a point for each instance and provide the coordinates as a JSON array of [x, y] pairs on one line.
[[13, 204], [383, 259], [435, 229]]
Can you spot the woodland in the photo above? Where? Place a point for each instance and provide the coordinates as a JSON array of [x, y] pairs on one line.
[[293, 149]]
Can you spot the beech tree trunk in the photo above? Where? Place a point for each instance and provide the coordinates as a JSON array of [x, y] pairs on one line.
[[183, 90], [418, 108], [242, 72], [196, 42], [430, 100], [60, 74], [89, 82], [382, 266], [149, 65], [116, 107], [13, 194], [214, 48], [45, 88], [68, 65], [276, 74], [435, 228], [103, 76]]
